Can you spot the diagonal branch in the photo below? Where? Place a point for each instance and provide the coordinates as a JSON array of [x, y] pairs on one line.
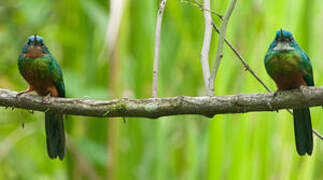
[[157, 43], [317, 134], [243, 61], [219, 49]]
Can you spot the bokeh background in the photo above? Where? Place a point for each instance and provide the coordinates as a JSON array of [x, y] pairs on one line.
[[256, 145]]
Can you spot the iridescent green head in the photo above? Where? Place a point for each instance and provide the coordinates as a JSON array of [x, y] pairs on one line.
[[284, 41], [35, 40], [34, 47], [282, 35]]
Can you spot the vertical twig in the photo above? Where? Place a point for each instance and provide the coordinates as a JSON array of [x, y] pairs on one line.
[[220, 46], [116, 10], [157, 43], [206, 45]]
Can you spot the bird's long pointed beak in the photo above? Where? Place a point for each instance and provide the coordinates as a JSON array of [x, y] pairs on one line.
[[281, 32], [35, 40]]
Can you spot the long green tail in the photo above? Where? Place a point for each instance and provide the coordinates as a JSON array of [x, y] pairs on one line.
[[55, 135], [303, 131]]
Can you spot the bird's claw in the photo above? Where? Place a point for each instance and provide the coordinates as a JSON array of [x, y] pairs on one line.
[[46, 98], [21, 93], [301, 89], [24, 92], [276, 93]]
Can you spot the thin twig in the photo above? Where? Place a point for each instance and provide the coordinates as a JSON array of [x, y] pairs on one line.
[[243, 61], [157, 44], [206, 45], [219, 50], [202, 7], [317, 134]]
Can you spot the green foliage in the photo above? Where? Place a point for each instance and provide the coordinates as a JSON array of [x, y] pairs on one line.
[[240, 146]]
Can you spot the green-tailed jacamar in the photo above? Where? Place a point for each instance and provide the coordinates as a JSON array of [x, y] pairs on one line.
[[288, 65], [44, 76]]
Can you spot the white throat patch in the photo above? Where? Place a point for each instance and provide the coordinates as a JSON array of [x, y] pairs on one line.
[[283, 46]]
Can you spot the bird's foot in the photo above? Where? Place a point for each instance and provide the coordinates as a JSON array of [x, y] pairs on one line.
[[302, 89], [24, 92], [46, 98], [276, 93]]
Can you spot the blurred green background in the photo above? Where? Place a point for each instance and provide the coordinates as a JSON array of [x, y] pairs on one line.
[[256, 145]]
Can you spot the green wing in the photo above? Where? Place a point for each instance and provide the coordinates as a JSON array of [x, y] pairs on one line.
[[57, 76], [306, 64]]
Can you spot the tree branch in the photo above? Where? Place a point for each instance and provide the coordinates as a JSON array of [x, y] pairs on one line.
[[158, 107], [157, 43], [219, 50]]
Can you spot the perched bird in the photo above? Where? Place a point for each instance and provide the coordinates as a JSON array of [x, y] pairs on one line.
[[44, 76], [288, 65]]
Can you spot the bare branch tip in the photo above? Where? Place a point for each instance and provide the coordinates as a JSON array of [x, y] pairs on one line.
[[317, 134]]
